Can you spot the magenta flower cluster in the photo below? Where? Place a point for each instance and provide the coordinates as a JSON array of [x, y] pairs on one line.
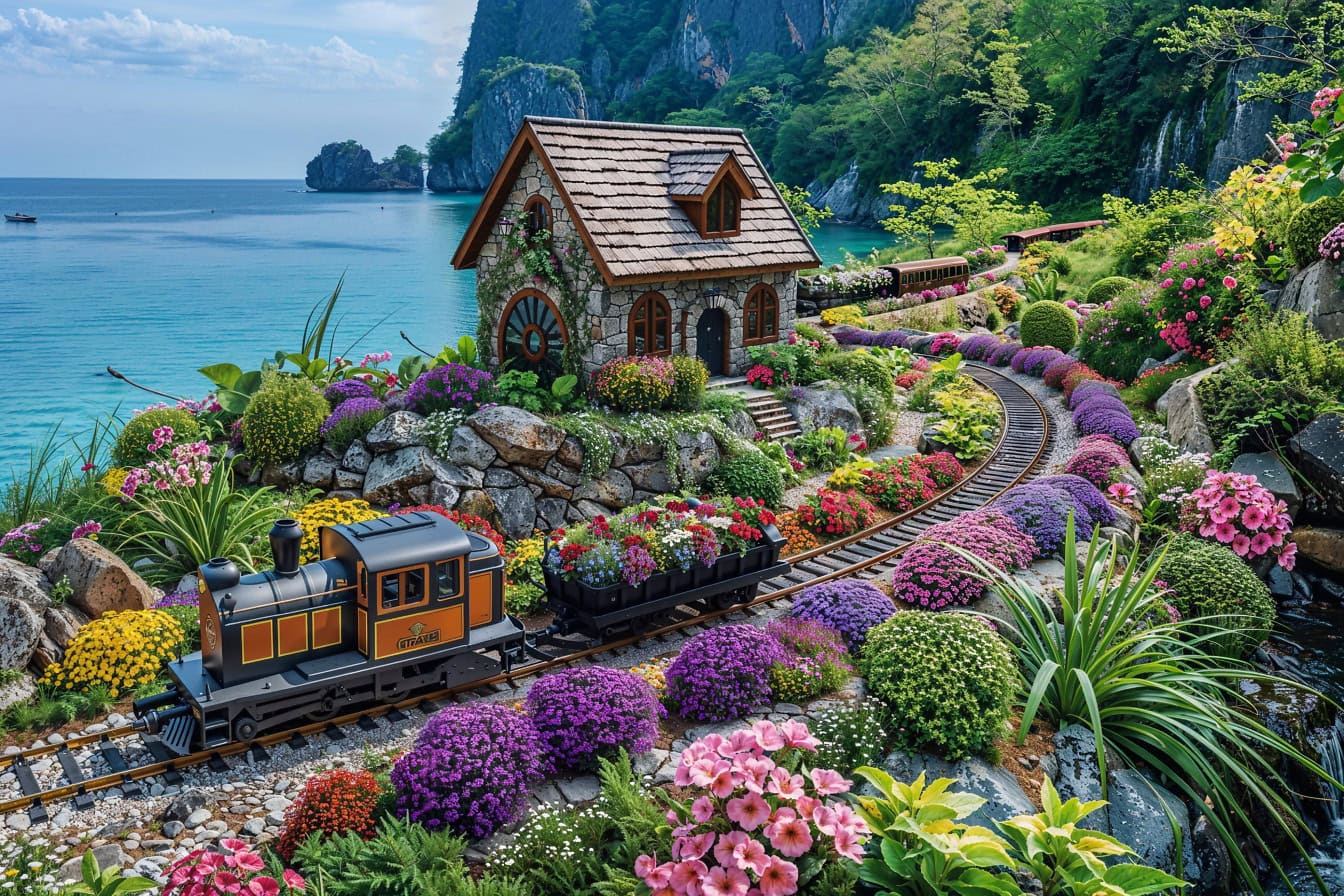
[[23, 538], [344, 390], [722, 673], [186, 466], [1235, 510], [932, 575], [1197, 298], [1331, 247], [591, 711], [351, 409], [945, 344], [761, 821], [849, 606], [470, 770], [449, 387], [1096, 458]]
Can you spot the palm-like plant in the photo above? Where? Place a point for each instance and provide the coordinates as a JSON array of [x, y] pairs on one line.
[[1043, 287], [1156, 692]]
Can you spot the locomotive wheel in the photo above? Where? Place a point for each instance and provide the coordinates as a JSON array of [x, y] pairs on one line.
[[325, 708], [730, 598], [244, 728]]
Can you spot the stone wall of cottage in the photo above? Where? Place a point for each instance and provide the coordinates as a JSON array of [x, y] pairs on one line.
[[609, 307]]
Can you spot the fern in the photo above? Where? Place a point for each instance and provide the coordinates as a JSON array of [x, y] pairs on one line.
[[403, 859]]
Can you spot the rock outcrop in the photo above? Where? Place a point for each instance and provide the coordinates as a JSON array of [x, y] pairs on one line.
[[349, 168], [1186, 427], [101, 580], [1318, 292], [1318, 454]]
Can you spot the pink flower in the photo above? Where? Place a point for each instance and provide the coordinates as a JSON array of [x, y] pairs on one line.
[[702, 810], [686, 876], [788, 786], [228, 882], [725, 882], [768, 736], [1230, 282], [1225, 532], [722, 784], [779, 878], [848, 844], [250, 861], [263, 886], [1288, 556], [1228, 508], [644, 866], [1241, 544], [750, 811], [796, 735], [294, 880], [1253, 517], [807, 805], [1188, 283], [1261, 544], [1122, 492], [1205, 301], [750, 854], [789, 836], [693, 847], [723, 850], [828, 782]]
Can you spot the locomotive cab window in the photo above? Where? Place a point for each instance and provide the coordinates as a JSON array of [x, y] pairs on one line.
[[448, 578], [403, 588]]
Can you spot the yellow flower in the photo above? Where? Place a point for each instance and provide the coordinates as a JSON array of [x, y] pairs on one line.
[[329, 512]]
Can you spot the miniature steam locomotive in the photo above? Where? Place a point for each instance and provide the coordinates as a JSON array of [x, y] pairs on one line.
[[396, 605]]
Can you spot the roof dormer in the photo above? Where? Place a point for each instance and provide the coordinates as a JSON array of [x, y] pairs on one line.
[[710, 185]]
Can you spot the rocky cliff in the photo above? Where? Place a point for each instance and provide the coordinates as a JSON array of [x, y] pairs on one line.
[[349, 168]]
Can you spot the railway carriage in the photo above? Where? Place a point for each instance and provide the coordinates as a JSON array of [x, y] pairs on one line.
[[395, 605], [1058, 233], [929, 273]]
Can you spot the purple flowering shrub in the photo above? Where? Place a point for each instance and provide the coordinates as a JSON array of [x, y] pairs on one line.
[[931, 575], [722, 673], [814, 660], [1033, 361], [449, 387], [352, 419], [855, 336], [1105, 415], [979, 347], [1096, 461], [1091, 389], [470, 769], [591, 711], [1040, 511], [1090, 507], [344, 390], [849, 606], [1004, 354]]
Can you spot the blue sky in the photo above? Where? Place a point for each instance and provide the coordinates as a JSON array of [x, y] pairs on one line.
[[233, 89]]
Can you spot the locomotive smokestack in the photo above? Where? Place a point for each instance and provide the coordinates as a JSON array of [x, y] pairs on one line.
[[219, 575], [286, 536]]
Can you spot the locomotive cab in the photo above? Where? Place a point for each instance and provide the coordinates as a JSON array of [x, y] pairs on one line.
[[395, 605]]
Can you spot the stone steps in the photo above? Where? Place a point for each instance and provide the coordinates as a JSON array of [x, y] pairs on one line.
[[769, 413]]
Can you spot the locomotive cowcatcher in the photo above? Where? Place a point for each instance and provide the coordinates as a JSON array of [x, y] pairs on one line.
[[395, 605]]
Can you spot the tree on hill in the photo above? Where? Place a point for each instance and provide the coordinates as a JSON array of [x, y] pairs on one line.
[[406, 155], [942, 198]]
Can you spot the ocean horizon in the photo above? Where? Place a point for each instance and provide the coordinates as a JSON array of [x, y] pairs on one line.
[[159, 277]]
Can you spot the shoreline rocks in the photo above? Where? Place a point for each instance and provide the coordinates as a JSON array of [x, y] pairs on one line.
[[349, 168]]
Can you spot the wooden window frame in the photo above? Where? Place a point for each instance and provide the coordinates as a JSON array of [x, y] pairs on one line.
[[537, 202], [764, 298], [715, 228], [401, 574], [650, 303]]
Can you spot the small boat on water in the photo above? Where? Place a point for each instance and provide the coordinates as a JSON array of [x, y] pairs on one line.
[[21, 219]]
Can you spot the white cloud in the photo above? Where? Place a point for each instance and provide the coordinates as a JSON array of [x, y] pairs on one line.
[[443, 27], [136, 43]]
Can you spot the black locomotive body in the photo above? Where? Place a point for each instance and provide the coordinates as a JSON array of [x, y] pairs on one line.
[[395, 605]]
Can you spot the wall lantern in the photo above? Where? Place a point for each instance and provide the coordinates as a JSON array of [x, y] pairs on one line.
[[504, 227]]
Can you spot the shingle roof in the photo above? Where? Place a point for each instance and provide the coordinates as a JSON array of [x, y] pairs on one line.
[[619, 179]]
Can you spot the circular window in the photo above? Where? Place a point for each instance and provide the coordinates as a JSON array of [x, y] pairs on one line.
[[532, 337]]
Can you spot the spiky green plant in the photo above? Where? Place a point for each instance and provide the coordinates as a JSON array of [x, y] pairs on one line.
[[1156, 692]]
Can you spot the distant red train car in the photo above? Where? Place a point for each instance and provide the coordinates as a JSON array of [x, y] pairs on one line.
[[1058, 233], [928, 273]]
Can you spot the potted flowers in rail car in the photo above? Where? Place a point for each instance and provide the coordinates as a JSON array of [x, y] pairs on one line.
[[653, 552]]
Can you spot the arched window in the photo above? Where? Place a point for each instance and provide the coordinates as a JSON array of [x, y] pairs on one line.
[[721, 210], [532, 335], [536, 216], [760, 316], [650, 326]]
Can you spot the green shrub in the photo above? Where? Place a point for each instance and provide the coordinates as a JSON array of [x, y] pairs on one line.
[[946, 679], [283, 420], [1309, 224], [748, 475], [132, 445], [875, 409], [1246, 413], [1117, 341], [723, 404], [862, 368], [1108, 288], [689, 376], [822, 449], [1208, 580], [1049, 323], [851, 736], [922, 396], [1147, 389], [812, 333]]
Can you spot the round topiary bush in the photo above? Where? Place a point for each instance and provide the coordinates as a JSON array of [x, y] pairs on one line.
[[132, 445], [591, 711], [689, 377], [470, 770], [1049, 323], [1310, 224], [1107, 288], [1208, 580], [337, 801], [850, 606], [722, 673], [283, 420], [636, 383], [946, 681], [861, 367], [749, 475]]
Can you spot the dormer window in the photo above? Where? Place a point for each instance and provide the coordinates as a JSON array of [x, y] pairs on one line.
[[721, 210]]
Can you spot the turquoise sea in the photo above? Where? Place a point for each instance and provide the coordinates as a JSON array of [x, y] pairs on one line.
[[157, 278]]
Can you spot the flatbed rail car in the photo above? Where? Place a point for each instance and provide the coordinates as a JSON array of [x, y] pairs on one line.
[[395, 605]]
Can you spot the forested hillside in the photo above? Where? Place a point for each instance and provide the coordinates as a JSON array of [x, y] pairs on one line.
[[1074, 99]]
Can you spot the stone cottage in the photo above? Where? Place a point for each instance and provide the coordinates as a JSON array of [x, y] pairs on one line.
[[662, 240]]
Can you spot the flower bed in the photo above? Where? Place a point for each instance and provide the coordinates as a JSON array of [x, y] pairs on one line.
[[1235, 510]]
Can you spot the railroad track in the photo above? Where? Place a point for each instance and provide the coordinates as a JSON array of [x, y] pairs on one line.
[[1024, 442]]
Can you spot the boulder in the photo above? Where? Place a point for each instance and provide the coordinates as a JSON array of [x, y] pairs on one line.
[[1079, 773], [356, 458], [182, 806], [391, 476], [697, 455], [26, 583], [815, 408], [519, 436], [1273, 475], [997, 785], [318, 471], [100, 579], [515, 509], [741, 423], [20, 628], [1185, 418], [612, 489], [1140, 815], [552, 512], [1318, 454], [1212, 874], [570, 453], [21, 690], [444, 494], [398, 430], [1322, 546], [467, 449], [652, 476], [60, 624], [568, 475], [1318, 292], [349, 480], [547, 485], [282, 476], [107, 856]]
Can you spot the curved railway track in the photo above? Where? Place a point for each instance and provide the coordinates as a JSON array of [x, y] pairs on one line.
[[1024, 442]]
